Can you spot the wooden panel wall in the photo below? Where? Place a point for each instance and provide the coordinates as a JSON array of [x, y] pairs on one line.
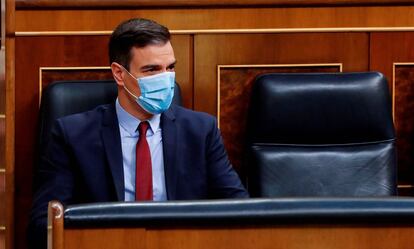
[[219, 18], [249, 49], [345, 35]]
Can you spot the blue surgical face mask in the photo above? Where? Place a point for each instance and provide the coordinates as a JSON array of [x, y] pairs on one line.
[[157, 91]]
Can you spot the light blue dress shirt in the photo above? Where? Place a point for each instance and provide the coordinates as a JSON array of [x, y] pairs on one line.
[[128, 125]]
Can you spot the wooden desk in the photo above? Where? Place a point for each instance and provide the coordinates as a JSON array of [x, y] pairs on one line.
[[373, 224]]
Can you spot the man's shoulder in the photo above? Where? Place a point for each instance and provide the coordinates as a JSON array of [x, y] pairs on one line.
[[193, 122], [184, 114], [87, 119]]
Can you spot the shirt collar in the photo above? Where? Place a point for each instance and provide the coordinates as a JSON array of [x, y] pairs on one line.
[[130, 123]]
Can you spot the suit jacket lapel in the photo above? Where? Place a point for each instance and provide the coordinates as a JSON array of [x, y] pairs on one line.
[[169, 137], [112, 144]]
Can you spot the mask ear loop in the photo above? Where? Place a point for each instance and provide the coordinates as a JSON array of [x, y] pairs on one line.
[[130, 93], [126, 89]]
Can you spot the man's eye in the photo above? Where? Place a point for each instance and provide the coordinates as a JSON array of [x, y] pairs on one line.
[[150, 70]]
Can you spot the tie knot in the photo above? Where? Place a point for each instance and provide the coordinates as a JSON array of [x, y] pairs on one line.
[[142, 128]]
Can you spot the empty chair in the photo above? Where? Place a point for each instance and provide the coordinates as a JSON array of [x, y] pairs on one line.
[[328, 134]]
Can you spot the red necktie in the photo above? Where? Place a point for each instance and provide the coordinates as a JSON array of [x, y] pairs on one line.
[[143, 175]]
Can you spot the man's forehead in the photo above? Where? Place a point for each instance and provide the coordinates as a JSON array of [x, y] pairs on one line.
[[160, 52]]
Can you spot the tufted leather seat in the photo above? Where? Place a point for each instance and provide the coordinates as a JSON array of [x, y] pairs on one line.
[[327, 134]]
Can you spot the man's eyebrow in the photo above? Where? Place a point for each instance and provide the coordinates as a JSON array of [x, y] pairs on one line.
[[173, 64], [146, 67], [155, 66]]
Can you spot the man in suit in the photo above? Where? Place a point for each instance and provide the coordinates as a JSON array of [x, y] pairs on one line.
[[140, 147]]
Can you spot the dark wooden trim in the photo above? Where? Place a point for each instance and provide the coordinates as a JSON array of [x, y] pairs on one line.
[[3, 23], [9, 112], [92, 4]]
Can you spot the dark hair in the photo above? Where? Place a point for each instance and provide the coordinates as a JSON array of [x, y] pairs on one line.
[[137, 32]]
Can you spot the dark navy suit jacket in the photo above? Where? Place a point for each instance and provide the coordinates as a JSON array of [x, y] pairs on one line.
[[83, 162]]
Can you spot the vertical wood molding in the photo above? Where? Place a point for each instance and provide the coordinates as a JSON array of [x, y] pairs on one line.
[[10, 106], [2, 116], [3, 23]]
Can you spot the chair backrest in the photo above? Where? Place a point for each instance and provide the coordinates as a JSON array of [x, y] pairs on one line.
[[327, 134], [63, 98]]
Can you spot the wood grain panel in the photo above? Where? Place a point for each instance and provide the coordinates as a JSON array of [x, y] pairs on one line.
[[7, 236], [351, 49], [2, 239], [10, 131], [2, 199], [96, 238], [57, 74], [404, 120], [311, 237], [263, 237], [2, 143], [235, 90], [285, 237], [184, 53], [36, 4], [32, 53], [387, 49], [218, 18], [2, 81], [405, 190]]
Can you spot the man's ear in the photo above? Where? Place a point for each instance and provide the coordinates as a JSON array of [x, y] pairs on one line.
[[117, 73]]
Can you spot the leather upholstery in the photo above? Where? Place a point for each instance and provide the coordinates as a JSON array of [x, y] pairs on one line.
[[325, 134], [63, 98], [277, 211]]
